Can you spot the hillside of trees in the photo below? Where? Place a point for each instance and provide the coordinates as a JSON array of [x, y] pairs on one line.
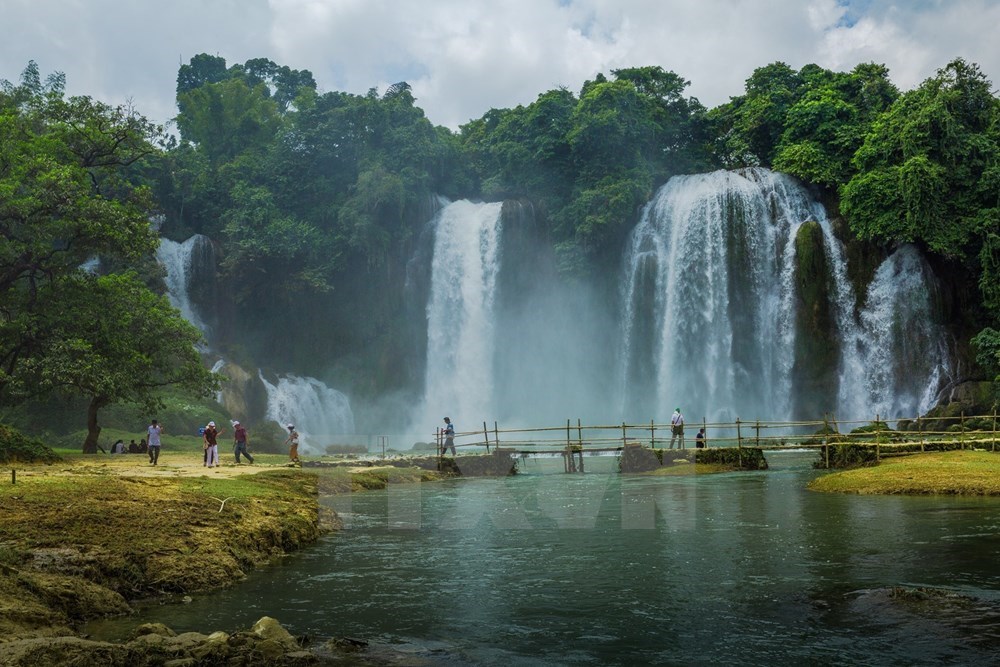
[[317, 200]]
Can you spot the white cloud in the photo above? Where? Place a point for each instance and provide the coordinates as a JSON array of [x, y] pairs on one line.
[[463, 57]]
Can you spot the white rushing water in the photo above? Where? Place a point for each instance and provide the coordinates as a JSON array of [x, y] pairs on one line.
[[216, 367], [709, 275], [178, 260], [906, 347], [320, 414], [460, 314]]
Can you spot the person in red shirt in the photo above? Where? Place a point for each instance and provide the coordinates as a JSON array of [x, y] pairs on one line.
[[241, 441]]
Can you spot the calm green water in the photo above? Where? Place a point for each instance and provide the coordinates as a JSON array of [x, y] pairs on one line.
[[605, 569]]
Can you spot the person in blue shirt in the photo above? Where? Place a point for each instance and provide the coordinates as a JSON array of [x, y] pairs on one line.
[[449, 437]]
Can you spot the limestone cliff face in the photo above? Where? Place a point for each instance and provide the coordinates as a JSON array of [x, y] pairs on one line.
[[817, 349], [243, 394]]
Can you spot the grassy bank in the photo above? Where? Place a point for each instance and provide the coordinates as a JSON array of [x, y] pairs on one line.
[[83, 537], [77, 546], [959, 472]]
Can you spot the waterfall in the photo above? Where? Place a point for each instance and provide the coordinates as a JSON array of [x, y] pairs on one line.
[[709, 297], [216, 367], [460, 314], [179, 261], [319, 413], [906, 347]]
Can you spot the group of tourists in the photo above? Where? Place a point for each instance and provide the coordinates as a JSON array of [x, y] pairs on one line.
[[210, 443], [132, 448]]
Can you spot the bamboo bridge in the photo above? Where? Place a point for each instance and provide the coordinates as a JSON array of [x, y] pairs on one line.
[[572, 441]]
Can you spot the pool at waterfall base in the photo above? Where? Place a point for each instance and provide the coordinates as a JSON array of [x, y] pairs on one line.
[[549, 568]]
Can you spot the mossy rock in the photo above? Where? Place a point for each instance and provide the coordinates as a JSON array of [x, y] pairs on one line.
[[638, 458]]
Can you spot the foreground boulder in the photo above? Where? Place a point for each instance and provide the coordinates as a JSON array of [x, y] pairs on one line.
[[267, 642]]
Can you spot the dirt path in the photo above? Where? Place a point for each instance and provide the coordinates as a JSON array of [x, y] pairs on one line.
[[173, 464]]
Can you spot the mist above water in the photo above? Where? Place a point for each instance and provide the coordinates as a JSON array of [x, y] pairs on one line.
[[507, 340]]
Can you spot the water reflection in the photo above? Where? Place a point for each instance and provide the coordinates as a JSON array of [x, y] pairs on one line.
[[542, 568]]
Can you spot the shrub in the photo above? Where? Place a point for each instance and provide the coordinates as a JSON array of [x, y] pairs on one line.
[[15, 447]]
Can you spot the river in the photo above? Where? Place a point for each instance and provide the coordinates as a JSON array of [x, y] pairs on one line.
[[548, 568]]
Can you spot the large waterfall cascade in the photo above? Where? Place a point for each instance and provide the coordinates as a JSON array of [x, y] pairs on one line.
[[460, 313], [709, 307]]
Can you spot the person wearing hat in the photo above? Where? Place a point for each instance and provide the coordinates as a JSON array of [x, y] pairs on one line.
[[240, 439], [211, 438], [677, 428], [293, 443]]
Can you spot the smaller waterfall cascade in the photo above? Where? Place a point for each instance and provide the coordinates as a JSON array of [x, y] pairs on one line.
[[906, 347], [709, 299], [178, 260], [460, 321], [216, 367], [319, 413]]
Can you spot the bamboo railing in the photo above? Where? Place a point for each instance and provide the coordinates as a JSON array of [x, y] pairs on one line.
[[972, 431]]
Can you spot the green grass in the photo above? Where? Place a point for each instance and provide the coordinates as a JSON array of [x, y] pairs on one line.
[[960, 472]]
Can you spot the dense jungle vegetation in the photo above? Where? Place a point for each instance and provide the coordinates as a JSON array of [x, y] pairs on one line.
[[317, 200]]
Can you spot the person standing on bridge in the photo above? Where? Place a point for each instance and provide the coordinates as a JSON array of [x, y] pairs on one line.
[[449, 437], [677, 428]]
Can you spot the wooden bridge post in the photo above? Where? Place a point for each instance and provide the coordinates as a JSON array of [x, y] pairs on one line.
[[962, 426], [624, 439], [826, 438], [757, 437], [579, 433], [496, 434], [994, 429], [704, 427], [652, 435], [739, 442], [486, 434], [570, 461], [920, 432], [878, 448]]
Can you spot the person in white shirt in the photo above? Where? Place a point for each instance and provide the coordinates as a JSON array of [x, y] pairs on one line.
[[677, 428], [153, 448]]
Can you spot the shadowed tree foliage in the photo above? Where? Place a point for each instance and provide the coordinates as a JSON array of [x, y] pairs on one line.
[[64, 199], [67, 201], [111, 340]]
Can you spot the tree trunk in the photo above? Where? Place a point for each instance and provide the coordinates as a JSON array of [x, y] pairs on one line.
[[93, 430]]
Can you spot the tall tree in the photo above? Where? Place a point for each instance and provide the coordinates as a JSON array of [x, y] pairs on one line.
[[64, 199]]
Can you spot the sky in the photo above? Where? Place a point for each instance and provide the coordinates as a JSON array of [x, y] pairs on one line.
[[464, 57]]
